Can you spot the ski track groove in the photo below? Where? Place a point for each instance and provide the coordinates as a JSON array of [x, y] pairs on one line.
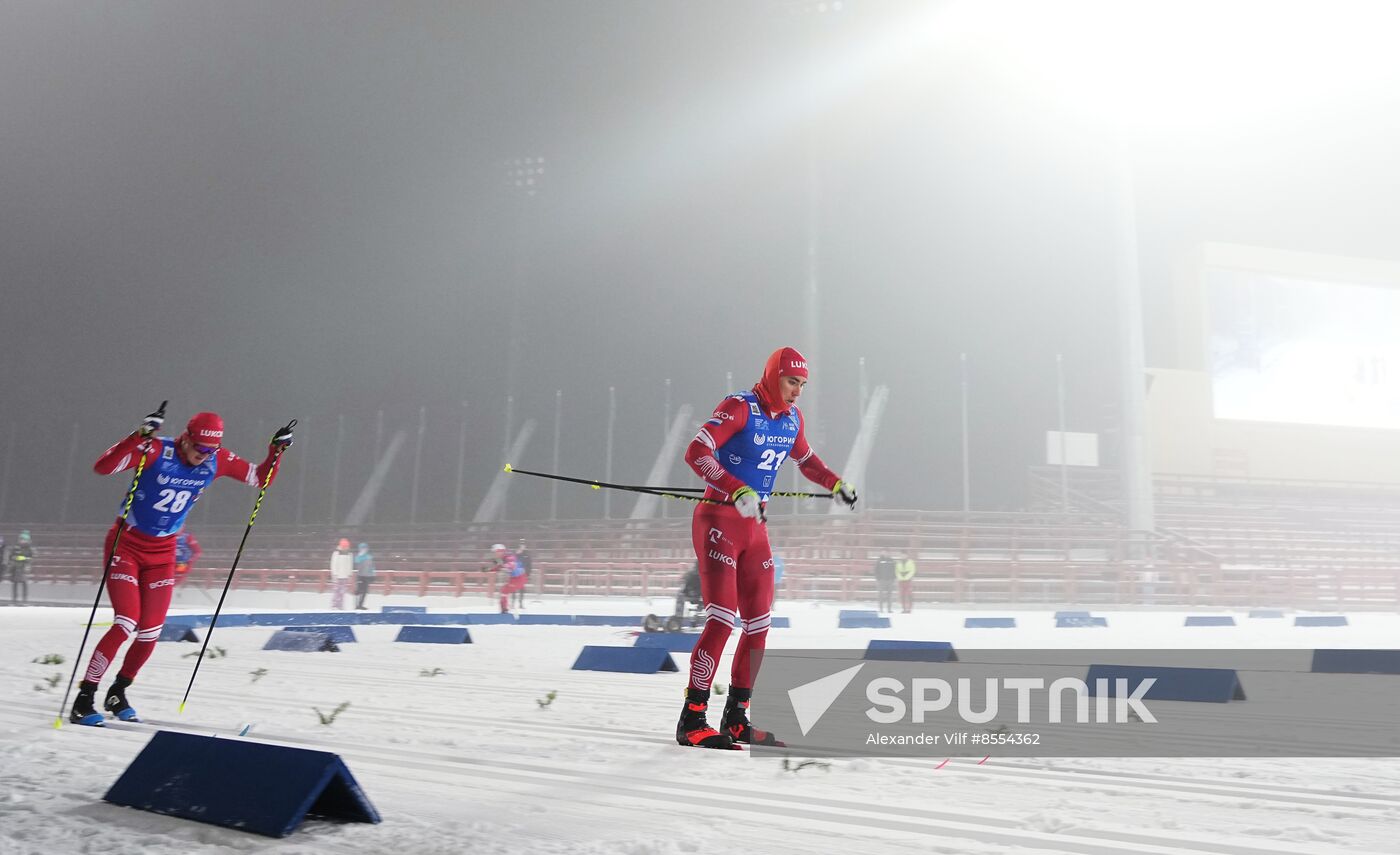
[[1101, 780], [405, 764], [844, 814], [1091, 779]]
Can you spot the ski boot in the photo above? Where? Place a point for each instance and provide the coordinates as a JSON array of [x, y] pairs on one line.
[[115, 702], [693, 730], [736, 725], [83, 711]]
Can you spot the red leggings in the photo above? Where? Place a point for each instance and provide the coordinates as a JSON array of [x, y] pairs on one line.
[[140, 581], [513, 584], [736, 579]]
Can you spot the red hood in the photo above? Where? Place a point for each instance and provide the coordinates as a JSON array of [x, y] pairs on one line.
[[784, 362]]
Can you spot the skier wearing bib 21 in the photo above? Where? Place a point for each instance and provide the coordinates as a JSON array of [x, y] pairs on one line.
[[738, 452], [141, 576]]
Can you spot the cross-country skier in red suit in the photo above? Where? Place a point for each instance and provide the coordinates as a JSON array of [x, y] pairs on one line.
[[738, 452], [140, 578]]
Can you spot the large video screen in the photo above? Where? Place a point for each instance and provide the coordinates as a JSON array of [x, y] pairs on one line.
[[1304, 351]]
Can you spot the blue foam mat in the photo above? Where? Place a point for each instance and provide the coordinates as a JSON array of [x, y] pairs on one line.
[[989, 623], [239, 784], [894, 650], [339, 633], [673, 642], [434, 635], [629, 660]]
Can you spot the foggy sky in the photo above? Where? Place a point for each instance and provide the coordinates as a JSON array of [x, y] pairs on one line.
[[279, 210]]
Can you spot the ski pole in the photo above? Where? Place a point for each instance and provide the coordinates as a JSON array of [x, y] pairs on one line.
[[121, 524], [597, 485], [669, 492], [237, 555]]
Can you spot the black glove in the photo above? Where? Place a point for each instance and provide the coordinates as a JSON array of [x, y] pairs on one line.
[[151, 423], [282, 440]]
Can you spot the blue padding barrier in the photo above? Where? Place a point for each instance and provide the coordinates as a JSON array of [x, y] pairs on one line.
[[407, 619], [672, 642], [303, 618], [1209, 620], [1204, 685], [435, 635], [193, 620], [489, 619], [989, 623], [399, 618], [608, 620], [1356, 662], [892, 650], [545, 620], [415, 610], [1061, 623], [773, 622], [301, 642], [1266, 613], [338, 633], [226, 621], [864, 623], [1320, 620], [629, 660], [178, 632], [1060, 615], [249, 786], [857, 613]]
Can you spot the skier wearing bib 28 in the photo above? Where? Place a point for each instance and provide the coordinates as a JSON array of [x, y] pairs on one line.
[[738, 452], [140, 578]]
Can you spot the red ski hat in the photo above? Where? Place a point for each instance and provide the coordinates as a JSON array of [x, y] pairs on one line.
[[783, 362], [206, 429]]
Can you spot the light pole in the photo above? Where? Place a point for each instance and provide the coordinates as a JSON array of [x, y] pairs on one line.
[[68, 476], [417, 465], [461, 464], [378, 445], [523, 178], [301, 481], [335, 467], [1064, 445], [608, 466], [966, 468], [665, 431], [554, 485], [5, 478]]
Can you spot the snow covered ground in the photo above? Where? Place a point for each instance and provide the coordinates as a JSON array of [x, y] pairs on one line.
[[469, 761]]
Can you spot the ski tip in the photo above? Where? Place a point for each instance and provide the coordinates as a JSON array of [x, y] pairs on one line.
[[595, 486], [58, 722], [182, 708], [508, 468]]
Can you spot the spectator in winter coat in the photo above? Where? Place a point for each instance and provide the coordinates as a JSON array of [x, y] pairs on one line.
[[187, 552], [515, 576], [20, 560], [523, 560], [884, 582], [904, 571], [364, 574], [690, 590], [342, 568]]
